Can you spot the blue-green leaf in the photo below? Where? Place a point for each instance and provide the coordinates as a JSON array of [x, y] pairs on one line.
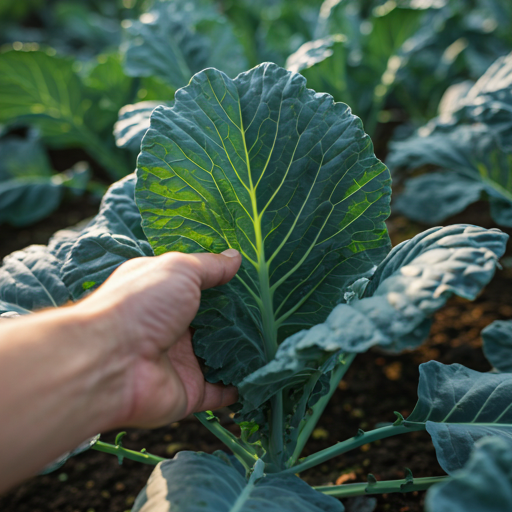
[[483, 485], [470, 140], [392, 309], [459, 406], [193, 482], [279, 172], [497, 338], [175, 41], [30, 279], [112, 237]]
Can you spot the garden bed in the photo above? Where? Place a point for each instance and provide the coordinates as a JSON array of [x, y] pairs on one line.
[[375, 386]]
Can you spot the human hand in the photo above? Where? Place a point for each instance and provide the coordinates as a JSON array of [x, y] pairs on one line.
[[145, 308]]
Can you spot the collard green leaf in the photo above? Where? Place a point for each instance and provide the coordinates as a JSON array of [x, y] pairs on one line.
[[133, 123], [453, 193], [175, 41], [483, 485], [471, 141], [497, 338], [44, 91], [459, 406], [284, 175], [31, 279], [8, 310], [90, 255], [392, 309], [194, 482]]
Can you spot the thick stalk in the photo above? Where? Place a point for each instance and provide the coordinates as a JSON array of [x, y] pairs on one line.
[[384, 487], [352, 443], [124, 453], [245, 453], [318, 409]]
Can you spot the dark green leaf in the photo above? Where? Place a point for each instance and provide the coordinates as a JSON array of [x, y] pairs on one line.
[[173, 42], [483, 485], [392, 309], [43, 90], [31, 279], [471, 140], [459, 406], [201, 482]]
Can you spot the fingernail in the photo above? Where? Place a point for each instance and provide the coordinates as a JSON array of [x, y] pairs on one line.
[[230, 253]]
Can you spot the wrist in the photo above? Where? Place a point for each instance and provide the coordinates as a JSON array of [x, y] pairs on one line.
[[101, 364]]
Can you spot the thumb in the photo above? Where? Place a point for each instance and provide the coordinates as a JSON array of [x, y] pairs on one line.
[[217, 269]]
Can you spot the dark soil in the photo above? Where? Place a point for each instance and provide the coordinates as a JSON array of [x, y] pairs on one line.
[[376, 385]]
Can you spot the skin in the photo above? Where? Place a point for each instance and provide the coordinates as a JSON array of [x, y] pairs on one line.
[[122, 357]]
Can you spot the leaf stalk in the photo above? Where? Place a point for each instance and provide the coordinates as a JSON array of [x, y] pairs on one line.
[[383, 487]]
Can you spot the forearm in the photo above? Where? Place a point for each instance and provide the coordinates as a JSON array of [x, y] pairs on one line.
[[58, 372]]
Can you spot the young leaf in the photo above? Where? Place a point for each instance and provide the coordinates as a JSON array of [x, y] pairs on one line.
[[497, 338], [483, 485], [199, 481], [279, 172], [459, 406]]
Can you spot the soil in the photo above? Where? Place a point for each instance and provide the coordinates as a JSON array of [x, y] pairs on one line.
[[376, 385]]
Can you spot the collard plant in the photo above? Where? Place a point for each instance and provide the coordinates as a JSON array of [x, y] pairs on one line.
[[467, 148], [286, 176]]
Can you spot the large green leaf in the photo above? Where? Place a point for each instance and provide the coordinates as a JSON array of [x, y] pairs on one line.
[[78, 259], [392, 309], [43, 90], [470, 143], [459, 406], [193, 482], [483, 485], [279, 172]]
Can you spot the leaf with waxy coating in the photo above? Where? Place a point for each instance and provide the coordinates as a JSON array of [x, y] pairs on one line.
[[470, 143], [193, 482], [458, 406], [392, 309], [484, 484]]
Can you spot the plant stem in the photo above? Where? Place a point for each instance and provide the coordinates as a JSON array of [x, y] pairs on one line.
[[124, 453], [384, 487], [244, 452], [311, 421], [351, 444], [276, 429]]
